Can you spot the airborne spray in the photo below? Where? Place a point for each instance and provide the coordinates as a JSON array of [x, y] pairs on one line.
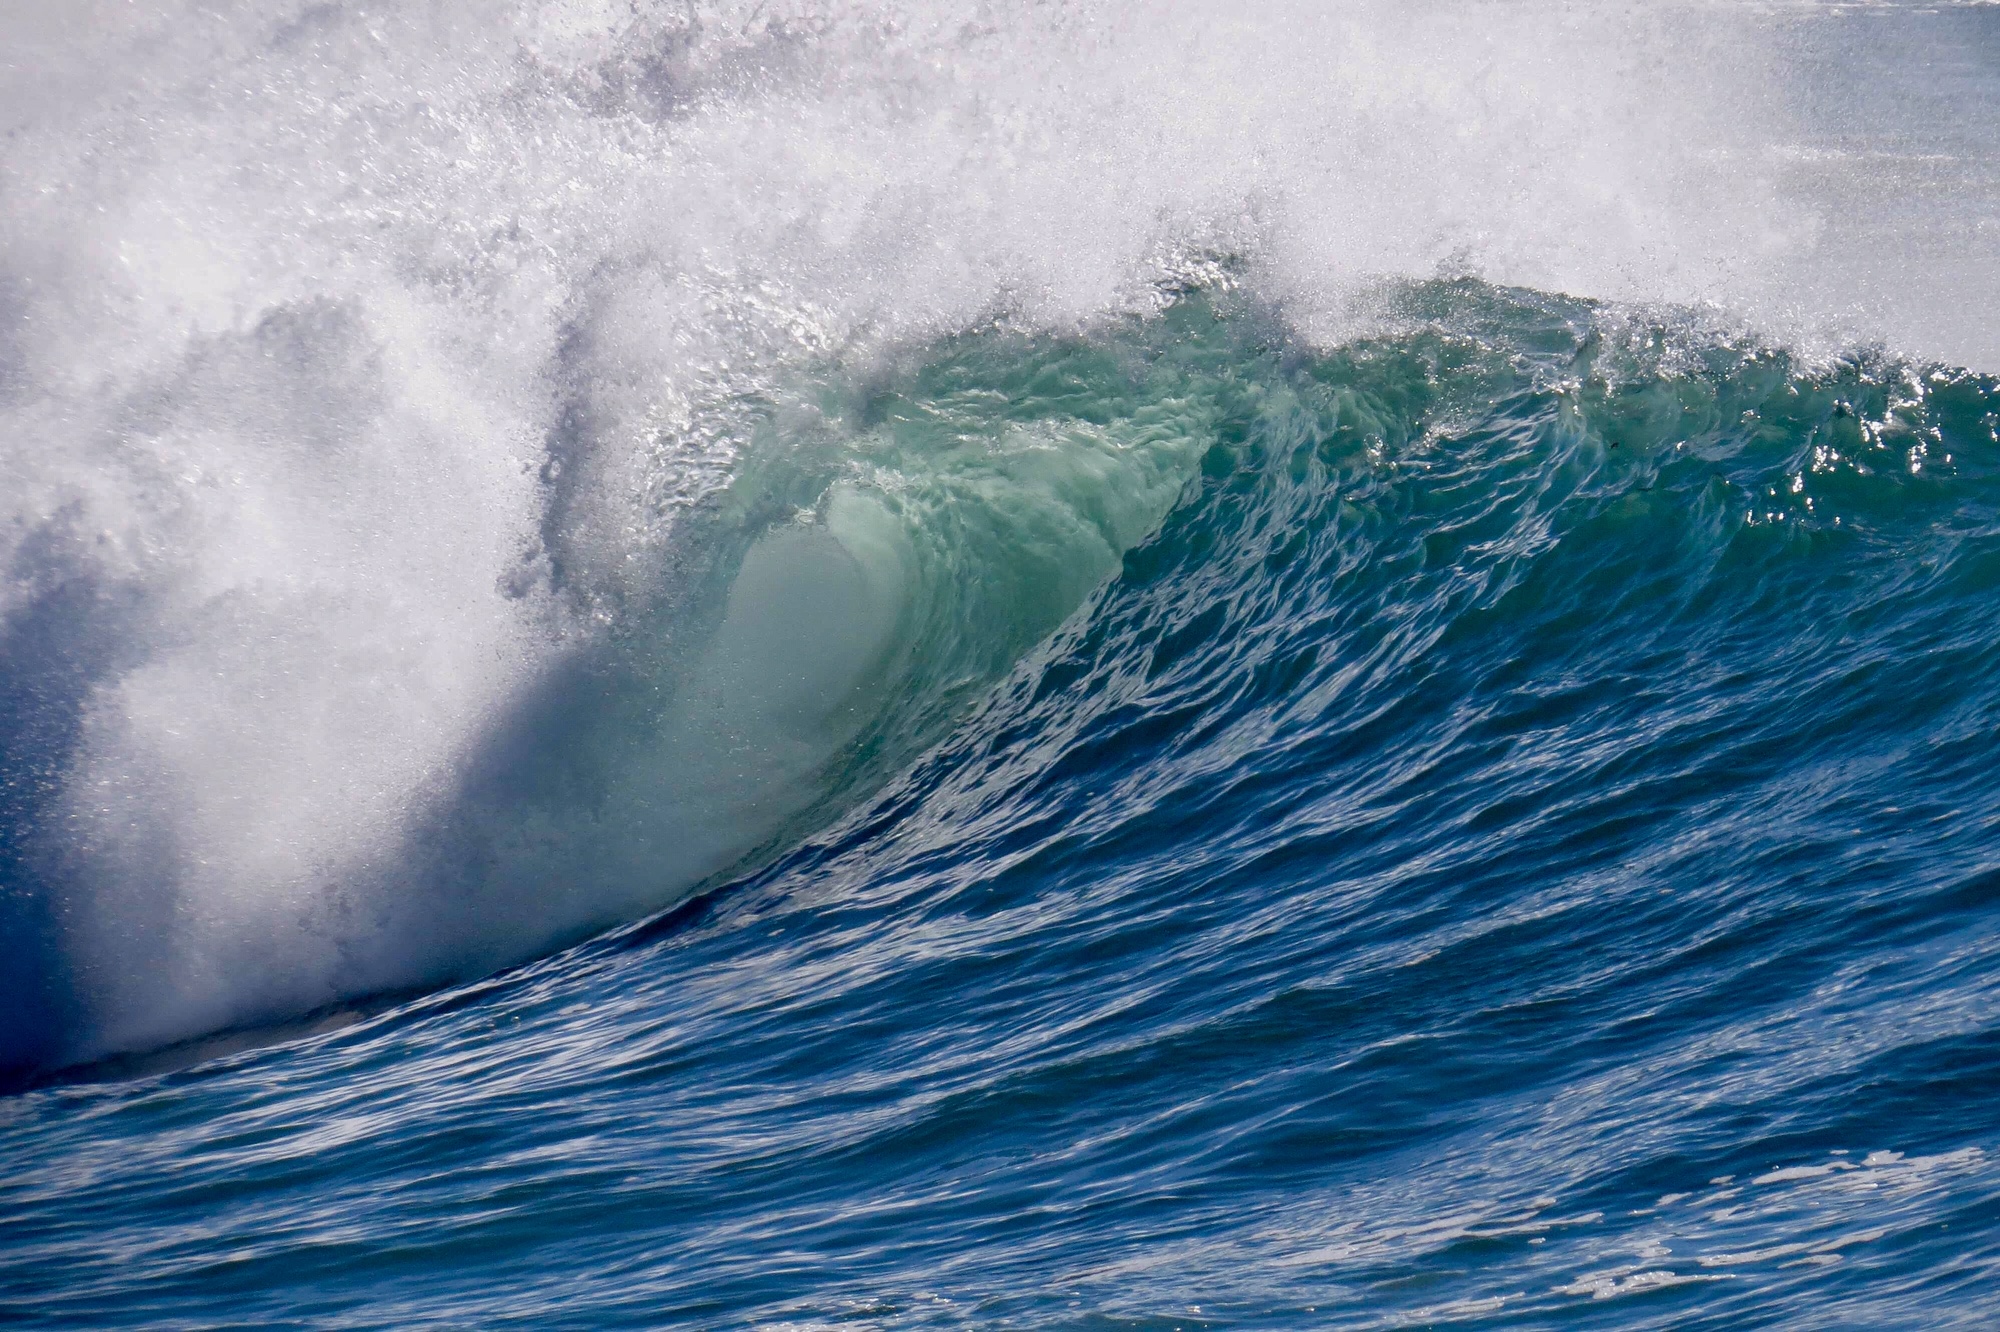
[[443, 512]]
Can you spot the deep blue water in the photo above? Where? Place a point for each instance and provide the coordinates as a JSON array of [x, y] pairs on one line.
[[1511, 842]]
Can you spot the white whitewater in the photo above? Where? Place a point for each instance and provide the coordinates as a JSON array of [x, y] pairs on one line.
[[360, 366]]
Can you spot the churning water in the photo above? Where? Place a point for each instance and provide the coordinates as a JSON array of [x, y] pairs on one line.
[[1022, 665]]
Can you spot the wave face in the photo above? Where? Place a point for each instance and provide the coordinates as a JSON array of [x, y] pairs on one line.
[[377, 386], [1515, 836], [778, 665]]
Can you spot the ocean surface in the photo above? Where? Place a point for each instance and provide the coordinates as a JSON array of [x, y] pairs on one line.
[[1019, 667]]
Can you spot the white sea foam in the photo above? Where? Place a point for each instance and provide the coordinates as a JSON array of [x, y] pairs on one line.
[[360, 362]]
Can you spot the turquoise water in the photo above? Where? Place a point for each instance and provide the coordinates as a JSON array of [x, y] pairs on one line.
[[1040, 665], [1512, 847]]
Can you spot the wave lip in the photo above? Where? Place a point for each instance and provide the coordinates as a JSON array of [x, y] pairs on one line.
[[380, 388]]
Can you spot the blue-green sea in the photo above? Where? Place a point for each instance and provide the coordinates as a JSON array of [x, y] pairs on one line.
[[650, 677]]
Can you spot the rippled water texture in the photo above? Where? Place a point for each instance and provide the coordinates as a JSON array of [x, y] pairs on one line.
[[1516, 837], [660, 725]]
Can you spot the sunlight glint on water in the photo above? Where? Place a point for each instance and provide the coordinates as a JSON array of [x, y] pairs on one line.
[[1211, 749]]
